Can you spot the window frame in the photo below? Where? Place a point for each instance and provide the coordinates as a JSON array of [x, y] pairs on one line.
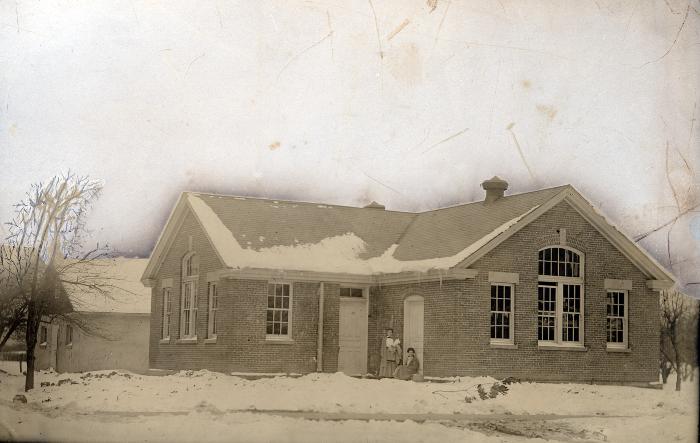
[[43, 331], [290, 315], [190, 278], [511, 315], [212, 308], [625, 323], [69, 335], [558, 282], [364, 290], [167, 313]]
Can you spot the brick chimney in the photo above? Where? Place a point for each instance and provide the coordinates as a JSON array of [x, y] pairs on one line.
[[495, 187]]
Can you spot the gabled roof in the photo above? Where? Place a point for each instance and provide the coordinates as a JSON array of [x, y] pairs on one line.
[[253, 233], [119, 278]]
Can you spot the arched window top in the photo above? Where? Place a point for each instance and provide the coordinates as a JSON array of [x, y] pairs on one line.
[[190, 265], [559, 261]]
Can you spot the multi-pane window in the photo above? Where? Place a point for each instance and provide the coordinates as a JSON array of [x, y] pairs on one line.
[[351, 292], [188, 311], [501, 313], [278, 309], [167, 310], [213, 308], [69, 334], [546, 311], [561, 262], [616, 325], [571, 313], [560, 296]]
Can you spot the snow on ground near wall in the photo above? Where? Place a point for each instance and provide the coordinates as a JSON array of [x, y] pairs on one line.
[[335, 254], [209, 397], [124, 391]]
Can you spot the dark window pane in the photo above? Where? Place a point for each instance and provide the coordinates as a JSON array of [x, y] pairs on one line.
[[276, 328], [285, 290], [278, 290], [285, 302], [285, 316], [284, 329], [270, 289], [269, 328], [269, 316]]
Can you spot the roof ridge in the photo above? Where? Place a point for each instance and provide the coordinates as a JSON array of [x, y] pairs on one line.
[[505, 197], [278, 200]]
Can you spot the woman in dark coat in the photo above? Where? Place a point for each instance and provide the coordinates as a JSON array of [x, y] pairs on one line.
[[406, 371]]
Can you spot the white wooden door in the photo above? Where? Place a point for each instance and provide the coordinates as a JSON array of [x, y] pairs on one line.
[[413, 327], [352, 356]]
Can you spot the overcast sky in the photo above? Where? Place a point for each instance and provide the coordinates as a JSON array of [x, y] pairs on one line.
[[351, 101]]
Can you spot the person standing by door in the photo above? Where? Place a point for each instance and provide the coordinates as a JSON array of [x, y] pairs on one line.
[[390, 354]]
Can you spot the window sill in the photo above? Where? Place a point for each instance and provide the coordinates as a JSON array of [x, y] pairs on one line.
[[615, 349], [42, 345], [284, 340], [557, 347], [502, 345], [210, 340], [186, 340], [164, 340], [69, 346]]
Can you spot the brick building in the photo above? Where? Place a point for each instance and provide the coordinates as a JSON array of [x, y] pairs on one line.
[[535, 285]]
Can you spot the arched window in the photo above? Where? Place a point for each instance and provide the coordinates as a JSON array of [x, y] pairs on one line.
[[560, 297], [188, 300], [559, 262]]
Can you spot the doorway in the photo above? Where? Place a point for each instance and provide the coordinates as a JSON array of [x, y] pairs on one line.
[[413, 327], [352, 356]]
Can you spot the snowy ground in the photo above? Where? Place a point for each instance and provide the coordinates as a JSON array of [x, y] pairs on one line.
[[202, 405]]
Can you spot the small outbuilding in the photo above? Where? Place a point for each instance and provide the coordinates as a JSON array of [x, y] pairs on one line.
[[105, 331]]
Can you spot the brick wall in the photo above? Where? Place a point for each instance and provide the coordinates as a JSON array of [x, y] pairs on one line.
[[241, 343], [456, 336], [457, 313]]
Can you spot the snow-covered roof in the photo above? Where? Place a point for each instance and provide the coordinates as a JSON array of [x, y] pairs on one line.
[[254, 233], [119, 278], [346, 252]]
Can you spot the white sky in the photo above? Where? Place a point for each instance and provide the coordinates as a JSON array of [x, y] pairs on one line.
[[296, 100]]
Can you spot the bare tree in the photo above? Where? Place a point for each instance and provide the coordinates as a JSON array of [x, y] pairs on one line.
[[678, 317], [44, 245], [13, 308]]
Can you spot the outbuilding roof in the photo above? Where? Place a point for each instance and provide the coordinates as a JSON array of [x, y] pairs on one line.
[[118, 280]]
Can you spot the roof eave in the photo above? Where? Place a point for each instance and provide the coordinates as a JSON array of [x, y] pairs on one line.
[[638, 256], [164, 240]]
